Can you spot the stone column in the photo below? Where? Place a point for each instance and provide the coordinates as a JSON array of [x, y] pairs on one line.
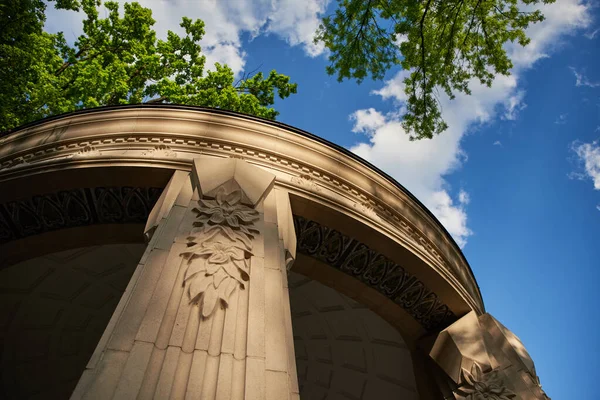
[[206, 314], [483, 359]]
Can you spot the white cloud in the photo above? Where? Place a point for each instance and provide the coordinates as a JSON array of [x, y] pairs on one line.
[[367, 121], [421, 166], [592, 35], [296, 21], [589, 155], [582, 80], [225, 53], [400, 38], [562, 17], [514, 104], [497, 143], [463, 197], [452, 216], [561, 120], [225, 22], [394, 88]]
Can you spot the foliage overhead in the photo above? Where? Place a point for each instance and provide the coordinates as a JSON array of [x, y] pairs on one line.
[[117, 60], [441, 43]]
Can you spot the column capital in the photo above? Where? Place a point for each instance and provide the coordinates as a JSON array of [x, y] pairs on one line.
[[211, 173], [485, 359]]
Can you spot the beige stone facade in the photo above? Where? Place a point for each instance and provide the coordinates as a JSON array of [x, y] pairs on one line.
[[271, 264]]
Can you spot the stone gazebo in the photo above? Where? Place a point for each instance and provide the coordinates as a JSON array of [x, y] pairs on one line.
[[176, 252]]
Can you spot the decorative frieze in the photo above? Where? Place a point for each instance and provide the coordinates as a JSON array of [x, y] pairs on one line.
[[359, 261], [88, 151], [161, 150], [73, 208], [306, 181], [6, 232]]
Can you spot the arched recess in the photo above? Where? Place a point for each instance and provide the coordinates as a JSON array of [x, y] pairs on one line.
[[56, 307], [365, 267], [344, 350], [31, 278], [54, 310]]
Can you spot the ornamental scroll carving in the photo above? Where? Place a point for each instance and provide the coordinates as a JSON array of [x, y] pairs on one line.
[[220, 247], [375, 270], [478, 385], [73, 208]]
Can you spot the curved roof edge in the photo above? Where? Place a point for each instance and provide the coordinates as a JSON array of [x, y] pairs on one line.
[[273, 123]]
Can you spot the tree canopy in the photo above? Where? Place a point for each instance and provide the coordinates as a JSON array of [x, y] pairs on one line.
[[443, 44], [117, 60]]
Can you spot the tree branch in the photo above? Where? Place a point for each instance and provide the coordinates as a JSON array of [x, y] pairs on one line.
[[471, 24], [362, 25], [423, 70], [68, 63], [247, 76], [447, 58]]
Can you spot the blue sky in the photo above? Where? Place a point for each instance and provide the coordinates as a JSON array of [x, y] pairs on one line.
[[516, 178]]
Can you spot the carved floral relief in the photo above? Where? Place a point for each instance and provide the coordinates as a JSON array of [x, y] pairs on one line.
[[478, 385], [220, 247]]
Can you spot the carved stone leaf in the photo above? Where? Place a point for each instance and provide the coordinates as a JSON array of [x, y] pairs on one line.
[[219, 246], [248, 230], [206, 204], [197, 287], [199, 235], [236, 273], [246, 215], [212, 269], [218, 277], [242, 265], [239, 236], [217, 218], [206, 233], [226, 290], [231, 198], [201, 220], [226, 209], [479, 385], [195, 266], [210, 300]]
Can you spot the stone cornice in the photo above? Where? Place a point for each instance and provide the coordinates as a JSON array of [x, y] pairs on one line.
[[169, 137]]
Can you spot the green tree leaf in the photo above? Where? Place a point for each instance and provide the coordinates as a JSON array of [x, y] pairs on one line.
[[446, 43], [117, 60]]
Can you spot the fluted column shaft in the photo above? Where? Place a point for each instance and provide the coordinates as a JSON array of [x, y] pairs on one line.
[[206, 314]]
